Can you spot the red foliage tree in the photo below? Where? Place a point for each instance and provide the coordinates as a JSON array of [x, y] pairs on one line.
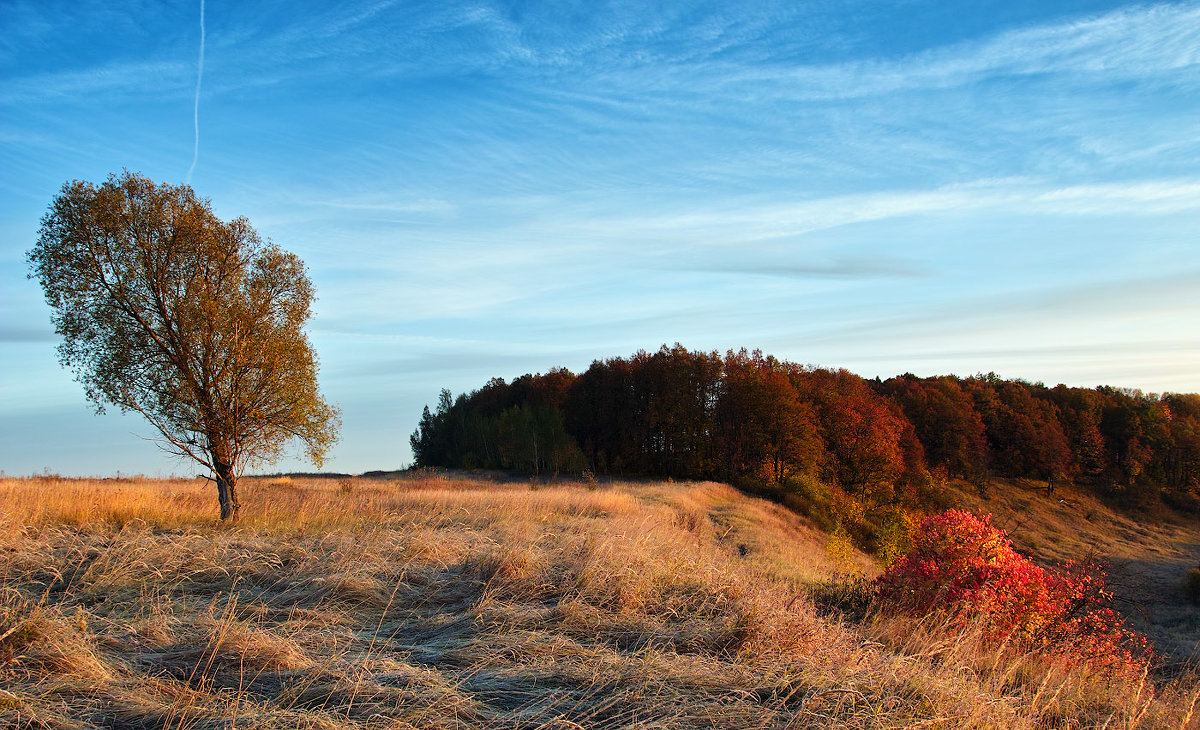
[[864, 433], [1080, 411], [1181, 460]]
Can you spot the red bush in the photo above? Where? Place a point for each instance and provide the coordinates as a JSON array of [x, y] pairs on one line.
[[961, 564]]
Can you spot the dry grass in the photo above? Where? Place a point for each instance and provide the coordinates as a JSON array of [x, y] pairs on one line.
[[438, 603]]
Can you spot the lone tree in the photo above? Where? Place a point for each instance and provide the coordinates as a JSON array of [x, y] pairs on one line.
[[195, 323]]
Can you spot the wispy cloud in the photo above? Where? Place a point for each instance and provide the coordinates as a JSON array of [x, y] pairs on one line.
[[377, 203], [1125, 43], [837, 267], [857, 184], [443, 361], [1140, 198], [753, 221], [117, 79], [734, 54], [1060, 311], [1152, 365]]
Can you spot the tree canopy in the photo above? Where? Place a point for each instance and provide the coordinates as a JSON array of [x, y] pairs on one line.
[[195, 323]]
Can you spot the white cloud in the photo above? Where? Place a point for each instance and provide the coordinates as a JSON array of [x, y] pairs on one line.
[[160, 78], [753, 221], [1153, 197], [1124, 44], [386, 204]]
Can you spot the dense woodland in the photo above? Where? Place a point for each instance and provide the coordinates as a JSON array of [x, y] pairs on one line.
[[855, 445]]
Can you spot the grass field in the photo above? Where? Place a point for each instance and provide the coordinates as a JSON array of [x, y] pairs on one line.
[[431, 602]]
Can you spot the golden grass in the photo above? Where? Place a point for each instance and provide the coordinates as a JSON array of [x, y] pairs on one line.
[[451, 603]]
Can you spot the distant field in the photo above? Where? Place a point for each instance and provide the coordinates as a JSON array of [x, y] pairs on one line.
[[432, 602]]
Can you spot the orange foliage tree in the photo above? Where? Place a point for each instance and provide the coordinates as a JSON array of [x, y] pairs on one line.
[[864, 433]]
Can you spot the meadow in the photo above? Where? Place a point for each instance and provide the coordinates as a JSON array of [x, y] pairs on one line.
[[436, 601]]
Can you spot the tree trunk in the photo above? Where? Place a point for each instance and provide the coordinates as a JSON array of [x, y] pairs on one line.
[[227, 491]]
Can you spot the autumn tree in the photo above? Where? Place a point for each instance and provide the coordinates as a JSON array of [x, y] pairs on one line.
[[678, 391], [1025, 436], [605, 417], [867, 445], [1080, 411], [864, 433], [761, 426], [193, 322], [945, 420], [1181, 457]]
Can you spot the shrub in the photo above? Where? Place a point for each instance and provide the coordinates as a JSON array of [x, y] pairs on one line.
[[839, 548], [961, 564], [1191, 584], [894, 538]]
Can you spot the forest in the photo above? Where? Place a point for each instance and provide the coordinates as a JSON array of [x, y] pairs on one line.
[[835, 443]]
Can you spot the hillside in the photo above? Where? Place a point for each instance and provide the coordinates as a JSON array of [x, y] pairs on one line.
[[449, 603]]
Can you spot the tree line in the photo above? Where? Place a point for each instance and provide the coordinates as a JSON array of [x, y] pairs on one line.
[[754, 420]]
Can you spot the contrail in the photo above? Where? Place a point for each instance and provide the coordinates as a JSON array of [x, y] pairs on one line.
[[196, 109]]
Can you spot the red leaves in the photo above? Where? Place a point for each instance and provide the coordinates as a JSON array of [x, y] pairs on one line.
[[865, 433], [961, 564]]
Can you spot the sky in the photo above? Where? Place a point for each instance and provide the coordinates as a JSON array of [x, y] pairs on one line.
[[490, 189]]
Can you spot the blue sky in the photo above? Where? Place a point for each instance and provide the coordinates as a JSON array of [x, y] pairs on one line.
[[492, 189]]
